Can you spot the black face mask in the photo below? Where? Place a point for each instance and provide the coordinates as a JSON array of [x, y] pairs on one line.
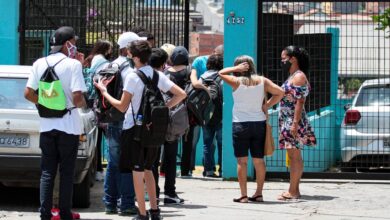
[[131, 61], [108, 56], [285, 65]]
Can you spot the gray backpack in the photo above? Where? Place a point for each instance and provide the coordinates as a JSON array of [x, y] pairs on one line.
[[178, 123]]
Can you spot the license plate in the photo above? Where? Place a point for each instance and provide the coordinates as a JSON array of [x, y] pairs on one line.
[[14, 140]]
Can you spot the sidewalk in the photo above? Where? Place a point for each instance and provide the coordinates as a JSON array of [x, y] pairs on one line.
[[212, 199]]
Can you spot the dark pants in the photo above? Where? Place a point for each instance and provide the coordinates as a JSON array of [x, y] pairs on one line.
[[99, 166], [209, 133], [57, 148], [188, 150]]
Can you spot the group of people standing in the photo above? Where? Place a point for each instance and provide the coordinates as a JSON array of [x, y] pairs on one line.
[[131, 167]]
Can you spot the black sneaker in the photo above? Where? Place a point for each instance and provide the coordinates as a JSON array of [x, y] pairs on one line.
[[155, 214], [173, 200], [141, 217]]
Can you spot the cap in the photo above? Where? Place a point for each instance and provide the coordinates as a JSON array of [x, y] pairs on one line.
[[128, 37], [168, 48], [179, 56], [60, 36]]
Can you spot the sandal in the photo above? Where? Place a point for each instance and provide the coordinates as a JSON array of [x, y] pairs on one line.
[[285, 196], [258, 198], [240, 200]]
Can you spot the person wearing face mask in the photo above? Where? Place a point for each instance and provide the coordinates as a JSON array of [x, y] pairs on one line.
[[59, 137], [295, 129], [118, 184]]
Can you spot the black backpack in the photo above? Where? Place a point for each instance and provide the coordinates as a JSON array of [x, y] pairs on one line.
[[200, 106], [214, 83], [151, 129], [106, 113]]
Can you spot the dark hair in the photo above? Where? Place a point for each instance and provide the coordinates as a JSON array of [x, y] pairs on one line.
[[302, 56], [215, 62], [146, 34], [140, 49], [158, 58], [100, 47]]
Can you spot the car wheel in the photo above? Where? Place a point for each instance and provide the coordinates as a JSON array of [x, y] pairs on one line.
[[81, 192]]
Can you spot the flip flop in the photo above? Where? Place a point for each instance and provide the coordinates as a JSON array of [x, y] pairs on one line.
[[239, 200], [285, 196], [258, 198]]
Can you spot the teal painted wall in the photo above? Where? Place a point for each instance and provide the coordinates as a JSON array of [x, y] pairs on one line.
[[9, 35], [316, 159], [239, 39]]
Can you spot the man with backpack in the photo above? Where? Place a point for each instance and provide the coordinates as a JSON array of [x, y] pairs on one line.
[[60, 84], [118, 184], [213, 129], [145, 123]]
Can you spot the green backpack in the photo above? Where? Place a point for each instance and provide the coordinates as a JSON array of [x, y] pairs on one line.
[[51, 96]]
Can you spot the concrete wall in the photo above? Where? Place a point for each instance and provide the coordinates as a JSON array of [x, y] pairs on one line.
[[239, 39], [9, 36]]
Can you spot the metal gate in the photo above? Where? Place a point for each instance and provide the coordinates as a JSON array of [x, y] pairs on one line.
[[167, 20], [349, 104]]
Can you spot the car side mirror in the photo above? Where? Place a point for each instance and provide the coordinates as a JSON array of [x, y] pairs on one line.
[[347, 106]]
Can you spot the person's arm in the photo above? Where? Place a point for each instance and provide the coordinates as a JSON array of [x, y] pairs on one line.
[[276, 91], [122, 105], [178, 96], [298, 80], [79, 100], [197, 84], [232, 80], [30, 95]]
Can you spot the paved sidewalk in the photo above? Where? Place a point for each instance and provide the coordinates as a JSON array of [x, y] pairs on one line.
[[212, 199]]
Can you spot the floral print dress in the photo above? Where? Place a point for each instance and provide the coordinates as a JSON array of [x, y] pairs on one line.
[[305, 134]]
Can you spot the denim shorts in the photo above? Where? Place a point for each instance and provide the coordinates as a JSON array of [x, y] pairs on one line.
[[249, 136]]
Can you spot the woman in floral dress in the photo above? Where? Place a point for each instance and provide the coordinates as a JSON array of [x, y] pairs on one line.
[[295, 130]]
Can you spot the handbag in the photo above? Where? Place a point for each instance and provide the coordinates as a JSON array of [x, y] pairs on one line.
[[269, 144]]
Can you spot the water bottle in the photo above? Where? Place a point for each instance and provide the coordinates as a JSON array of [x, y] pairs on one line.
[[138, 128]]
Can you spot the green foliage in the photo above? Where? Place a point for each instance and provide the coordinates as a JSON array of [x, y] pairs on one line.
[[383, 20], [353, 84]]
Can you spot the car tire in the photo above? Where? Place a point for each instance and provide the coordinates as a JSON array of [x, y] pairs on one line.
[[82, 192]]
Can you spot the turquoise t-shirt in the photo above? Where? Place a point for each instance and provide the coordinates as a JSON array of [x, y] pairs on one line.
[[200, 65]]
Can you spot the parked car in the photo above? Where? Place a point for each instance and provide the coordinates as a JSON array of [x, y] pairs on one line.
[[365, 131], [19, 138]]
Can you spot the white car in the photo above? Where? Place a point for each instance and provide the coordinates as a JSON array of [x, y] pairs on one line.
[[19, 138], [365, 131]]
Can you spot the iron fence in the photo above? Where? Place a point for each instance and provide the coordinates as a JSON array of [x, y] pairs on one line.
[[349, 104], [167, 20]]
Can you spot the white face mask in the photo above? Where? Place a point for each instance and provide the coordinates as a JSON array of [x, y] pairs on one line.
[[72, 50]]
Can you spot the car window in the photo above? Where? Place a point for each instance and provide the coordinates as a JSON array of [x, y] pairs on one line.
[[11, 94], [374, 96]]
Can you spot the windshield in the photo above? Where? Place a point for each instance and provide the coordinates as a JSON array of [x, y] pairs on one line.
[[11, 94], [374, 96]]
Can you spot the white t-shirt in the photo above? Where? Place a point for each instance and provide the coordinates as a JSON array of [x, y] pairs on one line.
[[120, 60], [135, 86], [69, 72], [100, 62]]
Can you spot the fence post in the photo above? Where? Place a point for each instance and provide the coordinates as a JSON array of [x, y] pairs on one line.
[[240, 37]]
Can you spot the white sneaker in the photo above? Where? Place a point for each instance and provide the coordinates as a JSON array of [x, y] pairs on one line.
[[99, 176]]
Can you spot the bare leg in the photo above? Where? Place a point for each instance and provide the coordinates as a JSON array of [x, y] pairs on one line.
[[260, 175], [138, 179], [242, 163], [296, 170], [151, 188]]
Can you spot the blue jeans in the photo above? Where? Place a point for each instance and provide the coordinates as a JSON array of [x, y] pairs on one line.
[[117, 185], [209, 132], [58, 148]]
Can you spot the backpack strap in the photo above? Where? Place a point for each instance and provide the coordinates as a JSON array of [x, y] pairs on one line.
[[55, 63], [124, 65]]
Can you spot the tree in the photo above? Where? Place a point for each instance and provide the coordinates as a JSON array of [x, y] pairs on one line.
[[383, 21]]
